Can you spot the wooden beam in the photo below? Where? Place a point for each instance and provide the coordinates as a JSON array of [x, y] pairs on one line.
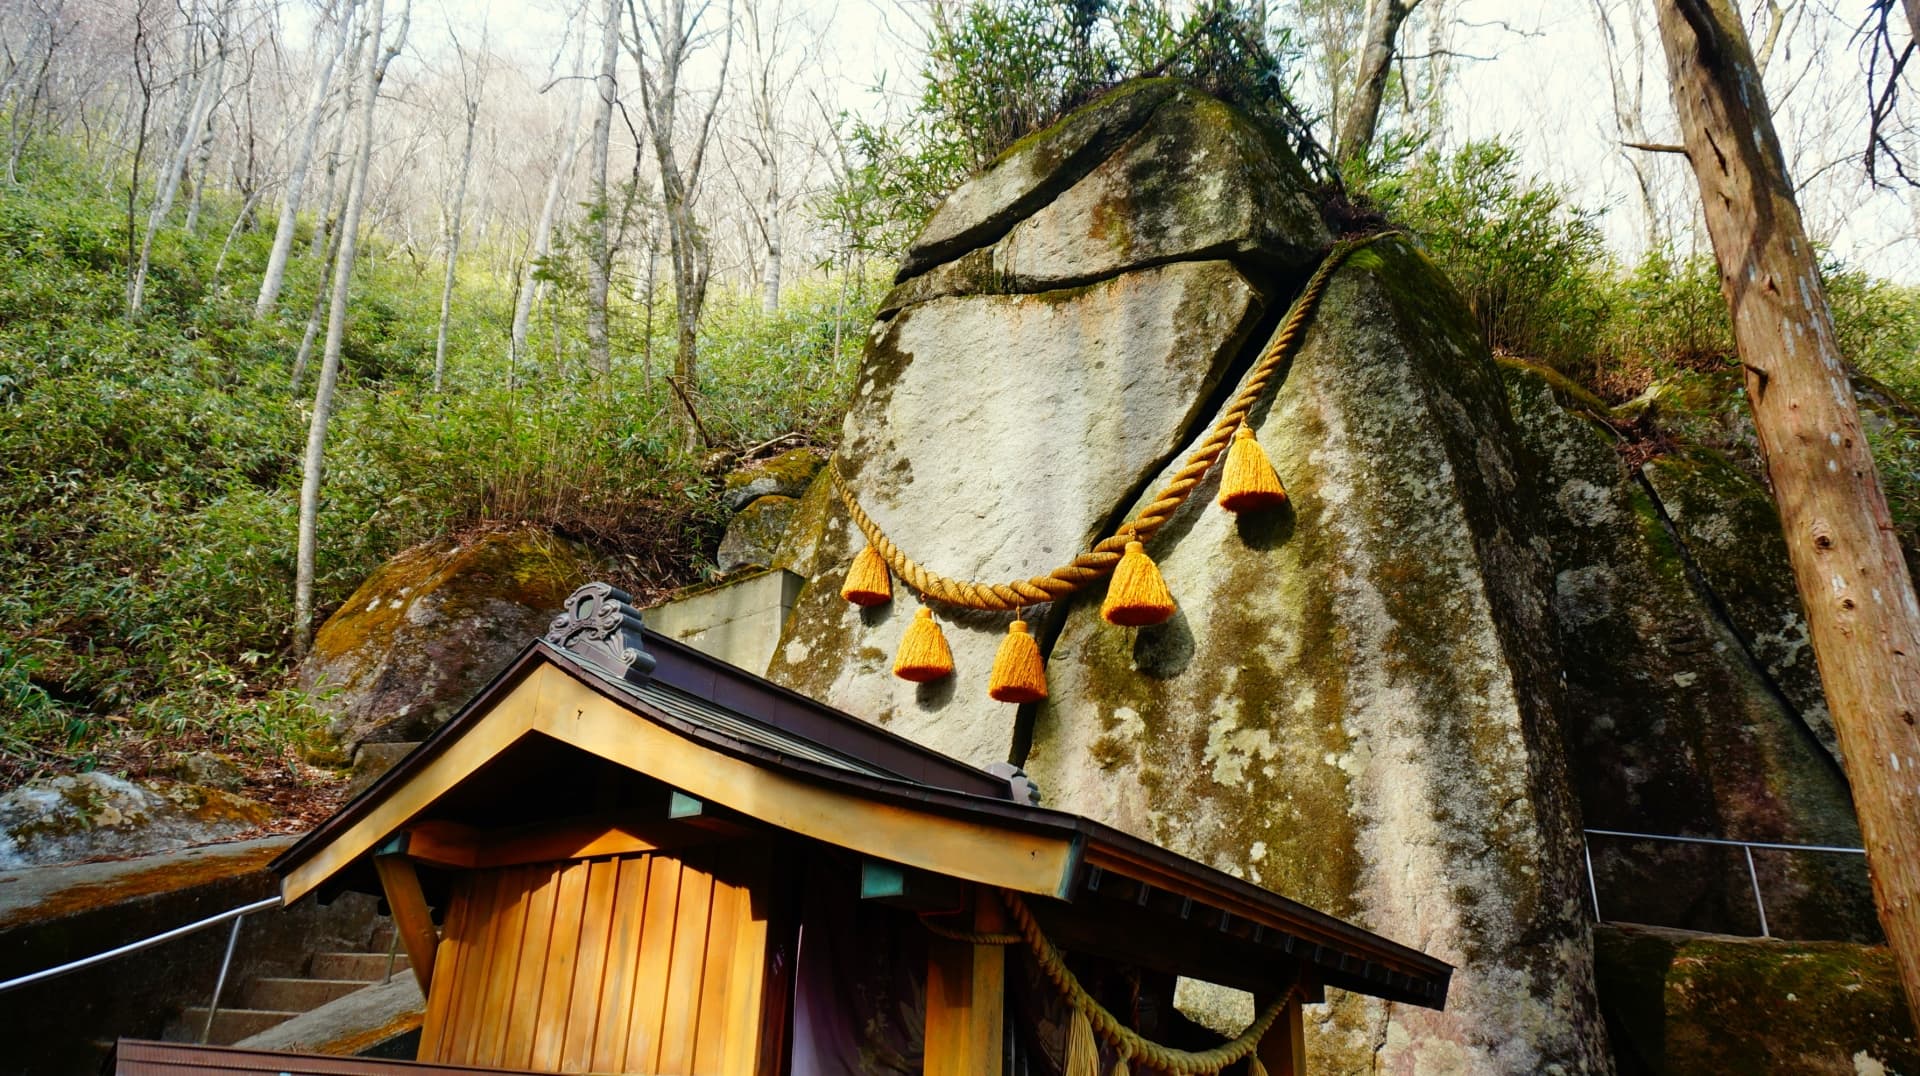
[[453, 844], [549, 702], [412, 920], [966, 999]]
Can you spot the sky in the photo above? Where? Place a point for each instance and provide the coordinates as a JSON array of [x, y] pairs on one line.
[[1528, 71]]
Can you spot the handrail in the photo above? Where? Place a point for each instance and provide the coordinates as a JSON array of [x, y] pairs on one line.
[[1746, 847], [1722, 840], [144, 943]]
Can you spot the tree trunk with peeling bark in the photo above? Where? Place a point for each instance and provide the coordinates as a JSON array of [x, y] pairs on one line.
[[1862, 613]]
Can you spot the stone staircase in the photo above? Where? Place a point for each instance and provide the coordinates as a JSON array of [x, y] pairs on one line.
[[263, 1002]]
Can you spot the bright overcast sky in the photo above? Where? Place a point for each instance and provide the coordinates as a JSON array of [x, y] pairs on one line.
[[1542, 86]]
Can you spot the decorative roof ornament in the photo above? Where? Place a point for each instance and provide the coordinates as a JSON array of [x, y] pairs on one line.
[[601, 627]]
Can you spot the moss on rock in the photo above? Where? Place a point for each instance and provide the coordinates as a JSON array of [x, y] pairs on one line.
[[1681, 1004], [431, 626], [1356, 705]]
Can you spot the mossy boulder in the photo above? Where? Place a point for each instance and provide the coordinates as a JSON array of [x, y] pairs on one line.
[[1731, 530], [753, 536], [1676, 724], [1197, 181], [992, 437], [98, 815], [786, 475], [1357, 704], [431, 626], [1030, 173], [1680, 1004]]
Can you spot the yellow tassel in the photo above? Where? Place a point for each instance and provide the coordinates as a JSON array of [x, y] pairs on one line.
[[1249, 483], [1083, 1053], [923, 651], [1122, 1067], [1018, 673], [868, 582], [1255, 1068], [1137, 596]]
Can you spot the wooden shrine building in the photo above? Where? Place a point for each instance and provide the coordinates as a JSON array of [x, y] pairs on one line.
[[626, 856]]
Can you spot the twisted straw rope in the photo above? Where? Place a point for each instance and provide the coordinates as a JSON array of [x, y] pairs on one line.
[[1127, 1041], [1098, 563]]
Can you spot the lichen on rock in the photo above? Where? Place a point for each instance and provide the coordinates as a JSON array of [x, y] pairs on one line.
[[1357, 704], [432, 625], [753, 536], [99, 815]]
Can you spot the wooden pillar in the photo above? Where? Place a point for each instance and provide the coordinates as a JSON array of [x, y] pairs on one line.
[[966, 998], [1284, 1048], [412, 920]]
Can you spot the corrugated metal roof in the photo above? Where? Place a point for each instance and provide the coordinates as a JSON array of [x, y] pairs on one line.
[[697, 711]]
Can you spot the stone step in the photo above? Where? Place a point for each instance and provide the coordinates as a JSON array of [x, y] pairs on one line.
[[297, 995], [232, 1025], [365, 967]]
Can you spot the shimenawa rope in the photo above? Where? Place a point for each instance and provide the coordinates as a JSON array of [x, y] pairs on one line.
[[1097, 563], [1130, 1044]]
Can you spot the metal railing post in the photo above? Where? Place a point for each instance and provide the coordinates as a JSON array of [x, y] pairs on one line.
[[1761, 905], [1593, 887], [1746, 849], [213, 1004]]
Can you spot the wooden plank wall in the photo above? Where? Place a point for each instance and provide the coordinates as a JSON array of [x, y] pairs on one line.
[[635, 963]]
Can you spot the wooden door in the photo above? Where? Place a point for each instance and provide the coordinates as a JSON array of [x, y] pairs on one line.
[[639, 963]]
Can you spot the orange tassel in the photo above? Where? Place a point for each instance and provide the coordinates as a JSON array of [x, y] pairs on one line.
[[1019, 675], [868, 581], [1137, 596], [923, 651], [1249, 483]]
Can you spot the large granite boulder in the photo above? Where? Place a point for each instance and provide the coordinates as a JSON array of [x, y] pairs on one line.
[[98, 815], [1000, 419], [1359, 704], [431, 626]]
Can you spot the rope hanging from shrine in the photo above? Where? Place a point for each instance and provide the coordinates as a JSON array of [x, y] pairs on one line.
[[1137, 596], [1091, 1020]]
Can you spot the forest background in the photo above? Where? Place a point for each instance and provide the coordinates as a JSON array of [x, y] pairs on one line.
[[567, 264]]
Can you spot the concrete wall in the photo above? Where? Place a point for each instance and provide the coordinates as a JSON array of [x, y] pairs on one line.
[[738, 622]]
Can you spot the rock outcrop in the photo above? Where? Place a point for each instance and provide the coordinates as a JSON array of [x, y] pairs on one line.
[[1359, 703], [98, 815], [1684, 1004], [433, 625], [1694, 707]]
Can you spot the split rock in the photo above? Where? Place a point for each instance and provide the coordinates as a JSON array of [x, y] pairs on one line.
[[991, 437]]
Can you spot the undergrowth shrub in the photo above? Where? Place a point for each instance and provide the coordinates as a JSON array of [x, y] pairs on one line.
[[149, 468], [1532, 266]]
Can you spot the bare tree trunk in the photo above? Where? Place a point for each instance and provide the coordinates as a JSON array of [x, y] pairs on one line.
[[540, 244], [276, 273], [1362, 115], [169, 183], [453, 224], [599, 226], [1861, 609], [1629, 113], [316, 312], [311, 465], [675, 34]]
